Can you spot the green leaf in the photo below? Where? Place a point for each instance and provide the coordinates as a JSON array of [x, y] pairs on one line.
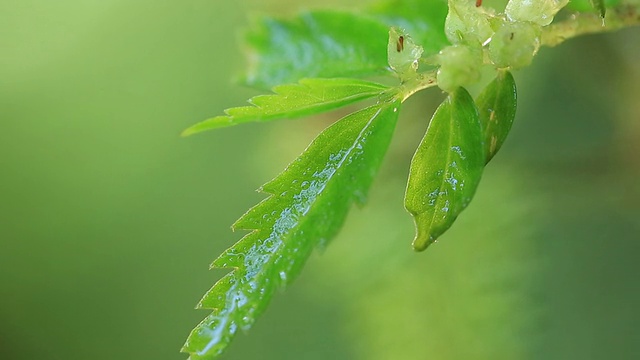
[[446, 168], [338, 44], [424, 20], [315, 44], [497, 106], [309, 96], [599, 6], [307, 205]]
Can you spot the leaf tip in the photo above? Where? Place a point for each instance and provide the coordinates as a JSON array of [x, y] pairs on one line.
[[187, 132], [422, 242], [424, 234]]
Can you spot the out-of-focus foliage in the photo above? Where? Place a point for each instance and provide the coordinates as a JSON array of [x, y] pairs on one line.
[[335, 43], [423, 19], [105, 211], [315, 44]]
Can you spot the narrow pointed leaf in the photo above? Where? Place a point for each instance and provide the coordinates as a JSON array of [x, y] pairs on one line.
[[307, 205], [590, 5], [315, 44], [424, 20], [446, 168], [599, 6], [497, 106], [307, 97]]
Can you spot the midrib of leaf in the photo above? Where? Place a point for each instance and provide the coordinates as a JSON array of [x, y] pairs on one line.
[[487, 126], [307, 97], [270, 256], [447, 162], [441, 184], [340, 163], [497, 109]]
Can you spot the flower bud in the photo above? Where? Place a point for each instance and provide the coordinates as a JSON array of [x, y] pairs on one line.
[[514, 44], [466, 23], [460, 66], [540, 12]]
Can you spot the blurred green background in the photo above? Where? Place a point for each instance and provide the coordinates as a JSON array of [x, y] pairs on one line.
[[108, 220]]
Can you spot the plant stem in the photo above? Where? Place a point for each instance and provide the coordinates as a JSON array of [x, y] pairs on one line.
[[422, 81], [589, 23]]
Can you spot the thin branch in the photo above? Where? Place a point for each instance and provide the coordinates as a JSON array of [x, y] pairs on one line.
[[590, 23]]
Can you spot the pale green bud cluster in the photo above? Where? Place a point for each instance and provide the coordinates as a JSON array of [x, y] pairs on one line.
[[460, 66], [540, 12], [514, 44], [466, 23], [479, 36]]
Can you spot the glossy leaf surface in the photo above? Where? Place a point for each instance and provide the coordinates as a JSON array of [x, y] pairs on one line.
[[309, 96], [315, 44], [424, 20], [446, 168], [307, 205], [497, 107]]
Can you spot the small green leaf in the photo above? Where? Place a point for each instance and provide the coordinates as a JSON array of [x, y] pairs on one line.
[[599, 6], [446, 168], [424, 20], [309, 96], [307, 205], [497, 106], [315, 44]]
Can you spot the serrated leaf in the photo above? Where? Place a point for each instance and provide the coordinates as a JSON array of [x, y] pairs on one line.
[[424, 20], [315, 44], [497, 107], [446, 168], [306, 207], [307, 97], [599, 6]]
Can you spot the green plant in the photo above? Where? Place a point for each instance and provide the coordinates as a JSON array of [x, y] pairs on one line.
[[320, 56]]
